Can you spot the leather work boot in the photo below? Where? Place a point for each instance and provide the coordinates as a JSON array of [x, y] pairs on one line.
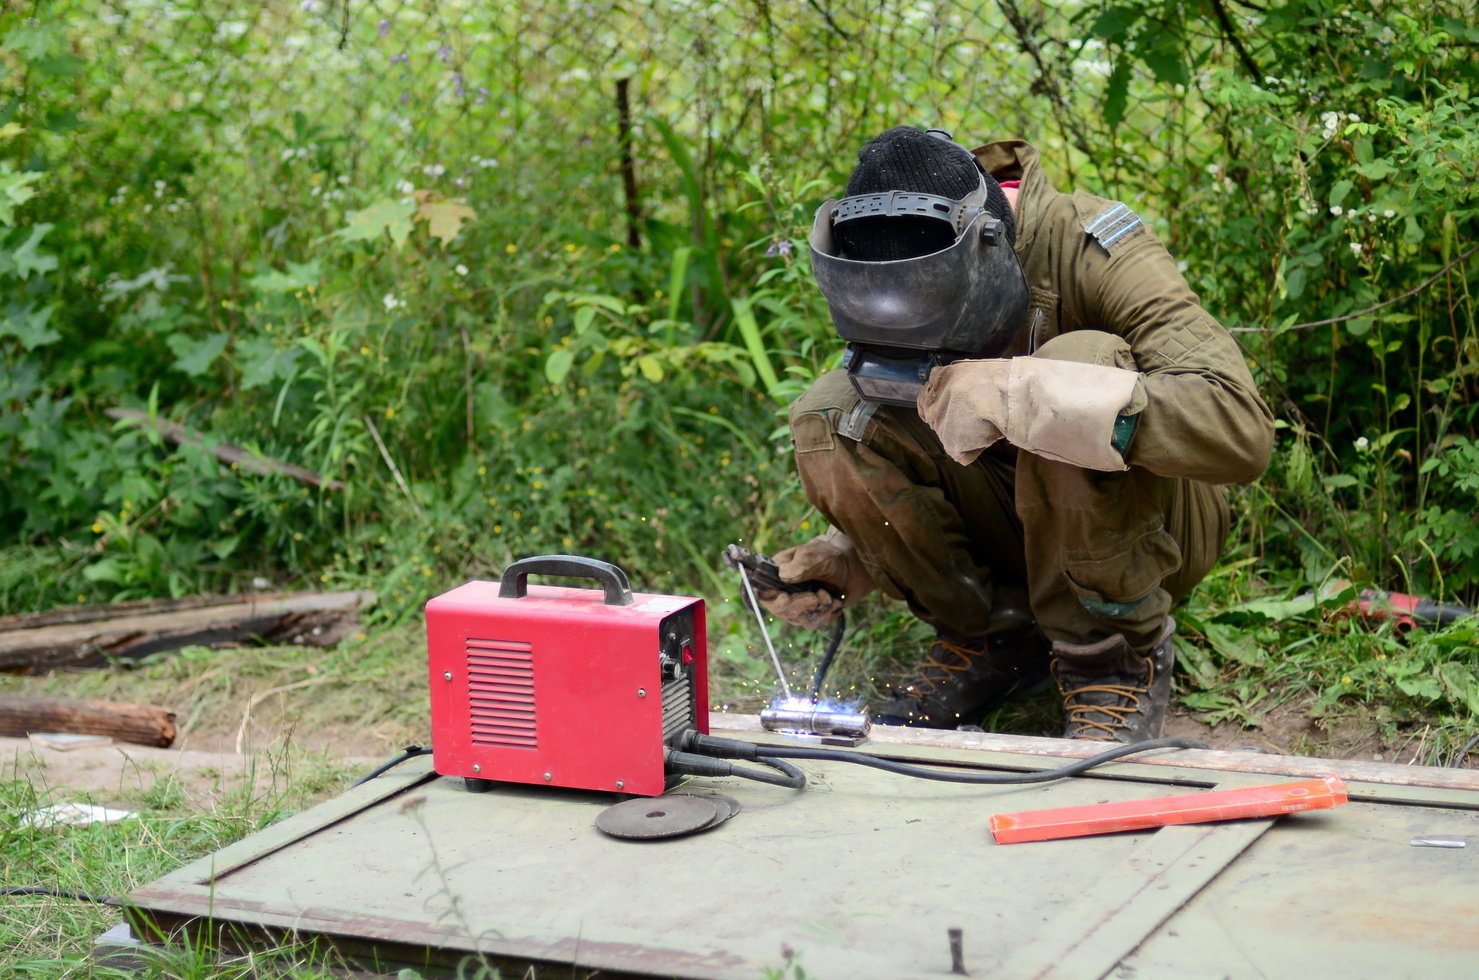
[[959, 681], [1110, 692]]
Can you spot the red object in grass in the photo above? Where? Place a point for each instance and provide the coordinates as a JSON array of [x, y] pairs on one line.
[[1109, 818]]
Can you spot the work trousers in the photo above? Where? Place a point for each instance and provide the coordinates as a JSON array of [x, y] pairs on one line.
[[1092, 554]]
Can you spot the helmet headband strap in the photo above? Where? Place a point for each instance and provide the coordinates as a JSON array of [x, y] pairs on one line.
[[899, 204]]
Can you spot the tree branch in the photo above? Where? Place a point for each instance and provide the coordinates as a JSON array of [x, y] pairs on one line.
[[1067, 124], [1232, 35]]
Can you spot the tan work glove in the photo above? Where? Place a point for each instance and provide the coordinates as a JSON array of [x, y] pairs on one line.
[[1062, 410], [829, 558]]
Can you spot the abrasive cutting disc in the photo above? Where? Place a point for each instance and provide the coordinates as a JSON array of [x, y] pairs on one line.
[[662, 816], [728, 806]]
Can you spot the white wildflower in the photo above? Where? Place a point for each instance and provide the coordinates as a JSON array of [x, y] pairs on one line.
[[1337, 210], [1362, 443], [391, 302], [1213, 169], [405, 187], [461, 269], [1389, 213], [1355, 248]]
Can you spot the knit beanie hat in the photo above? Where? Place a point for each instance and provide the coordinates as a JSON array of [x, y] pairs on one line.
[[908, 159]]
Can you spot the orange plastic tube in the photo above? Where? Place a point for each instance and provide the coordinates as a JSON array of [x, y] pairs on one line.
[[1109, 818]]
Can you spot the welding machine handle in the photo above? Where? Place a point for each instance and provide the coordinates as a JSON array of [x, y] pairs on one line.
[[515, 581]]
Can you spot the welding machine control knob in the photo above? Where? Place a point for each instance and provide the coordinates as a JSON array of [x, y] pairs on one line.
[[676, 654]]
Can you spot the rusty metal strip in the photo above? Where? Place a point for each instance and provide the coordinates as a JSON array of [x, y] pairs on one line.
[[1213, 760], [1086, 940]]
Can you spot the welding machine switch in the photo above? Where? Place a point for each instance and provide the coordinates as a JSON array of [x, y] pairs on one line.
[[687, 654]]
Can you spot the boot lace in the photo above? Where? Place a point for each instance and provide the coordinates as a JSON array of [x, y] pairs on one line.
[[925, 685], [1078, 712]]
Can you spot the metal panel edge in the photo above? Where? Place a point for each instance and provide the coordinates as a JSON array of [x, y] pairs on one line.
[[1305, 767], [256, 846]]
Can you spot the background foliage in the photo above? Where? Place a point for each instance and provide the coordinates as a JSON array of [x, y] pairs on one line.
[[311, 228]]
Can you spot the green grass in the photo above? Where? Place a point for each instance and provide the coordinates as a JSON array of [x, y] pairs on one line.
[[47, 937]]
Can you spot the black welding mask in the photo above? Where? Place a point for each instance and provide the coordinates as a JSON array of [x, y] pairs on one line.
[[902, 317]]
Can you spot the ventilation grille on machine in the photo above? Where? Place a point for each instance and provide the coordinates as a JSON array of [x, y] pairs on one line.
[[677, 707], [500, 677]]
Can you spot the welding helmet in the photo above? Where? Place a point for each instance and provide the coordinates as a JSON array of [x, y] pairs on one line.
[[915, 278]]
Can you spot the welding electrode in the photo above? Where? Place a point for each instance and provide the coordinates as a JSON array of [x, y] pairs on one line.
[[816, 721]]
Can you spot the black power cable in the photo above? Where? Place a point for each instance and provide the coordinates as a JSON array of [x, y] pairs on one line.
[[691, 764], [827, 658], [412, 751], [734, 749], [59, 893]]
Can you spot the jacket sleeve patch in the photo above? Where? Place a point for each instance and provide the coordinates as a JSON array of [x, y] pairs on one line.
[[1176, 343], [1112, 225]]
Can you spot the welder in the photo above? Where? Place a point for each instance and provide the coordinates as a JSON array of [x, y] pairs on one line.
[[1045, 492]]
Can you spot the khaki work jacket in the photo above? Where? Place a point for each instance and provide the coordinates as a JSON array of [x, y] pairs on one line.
[[1091, 264]]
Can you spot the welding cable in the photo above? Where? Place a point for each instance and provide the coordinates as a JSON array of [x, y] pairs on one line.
[[736, 749], [691, 764], [412, 751], [1458, 760], [59, 893], [826, 663]]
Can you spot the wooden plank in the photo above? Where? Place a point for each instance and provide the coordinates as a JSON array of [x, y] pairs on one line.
[[141, 724], [112, 610], [1211, 759], [226, 452], [310, 618], [1087, 939]]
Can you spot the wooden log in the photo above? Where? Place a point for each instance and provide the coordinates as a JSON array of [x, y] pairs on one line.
[[141, 724], [112, 610], [307, 618], [226, 452]]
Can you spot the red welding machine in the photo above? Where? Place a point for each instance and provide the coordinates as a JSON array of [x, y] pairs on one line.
[[581, 688]]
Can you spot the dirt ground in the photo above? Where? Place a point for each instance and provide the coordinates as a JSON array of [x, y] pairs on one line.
[[119, 774]]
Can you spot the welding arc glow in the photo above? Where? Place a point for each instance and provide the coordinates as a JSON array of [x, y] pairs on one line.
[[799, 716]]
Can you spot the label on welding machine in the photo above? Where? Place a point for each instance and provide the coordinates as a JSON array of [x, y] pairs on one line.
[[663, 604]]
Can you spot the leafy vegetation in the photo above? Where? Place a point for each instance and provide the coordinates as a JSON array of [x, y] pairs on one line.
[[534, 278]]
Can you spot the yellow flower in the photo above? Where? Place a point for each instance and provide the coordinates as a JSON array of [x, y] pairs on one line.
[[511, 249], [97, 528], [482, 471], [390, 413], [364, 350], [497, 528], [567, 542]]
